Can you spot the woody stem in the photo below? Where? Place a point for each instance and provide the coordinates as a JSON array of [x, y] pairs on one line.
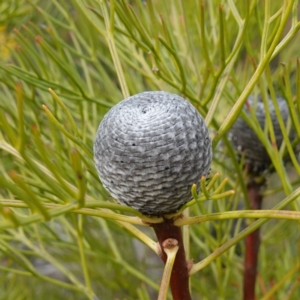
[[179, 281], [252, 243]]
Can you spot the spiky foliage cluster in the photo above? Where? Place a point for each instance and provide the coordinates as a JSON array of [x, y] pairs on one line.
[[62, 236]]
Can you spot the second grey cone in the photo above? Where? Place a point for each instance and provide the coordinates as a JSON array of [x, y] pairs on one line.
[[247, 142]]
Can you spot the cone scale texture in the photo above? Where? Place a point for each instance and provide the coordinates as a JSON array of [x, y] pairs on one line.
[[246, 141], [149, 150]]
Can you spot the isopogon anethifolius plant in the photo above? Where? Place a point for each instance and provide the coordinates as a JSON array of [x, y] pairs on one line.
[[246, 141], [256, 161], [150, 149]]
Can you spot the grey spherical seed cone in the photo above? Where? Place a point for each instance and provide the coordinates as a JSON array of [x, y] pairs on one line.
[[245, 140], [150, 149]]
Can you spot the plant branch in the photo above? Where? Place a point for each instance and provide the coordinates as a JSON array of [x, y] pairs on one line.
[[252, 244], [179, 281], [255, 225], [170, 247]]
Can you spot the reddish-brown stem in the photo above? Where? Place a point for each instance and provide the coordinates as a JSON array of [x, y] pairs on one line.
[[252, 243], [179, 281]]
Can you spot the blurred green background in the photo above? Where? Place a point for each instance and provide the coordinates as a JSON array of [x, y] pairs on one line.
[[56, 241]]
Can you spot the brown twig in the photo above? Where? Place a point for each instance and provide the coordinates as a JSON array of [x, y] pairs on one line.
[[252, 243], [179, 281]]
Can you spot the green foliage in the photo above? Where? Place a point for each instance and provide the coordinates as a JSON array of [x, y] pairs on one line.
[[62, 236]]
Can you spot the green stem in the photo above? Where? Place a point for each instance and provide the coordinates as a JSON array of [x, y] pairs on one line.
[[171, 255], [206, 261], [112, 47]]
